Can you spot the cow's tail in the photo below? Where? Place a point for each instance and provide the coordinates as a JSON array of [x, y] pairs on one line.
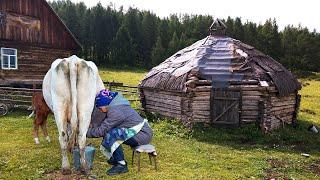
[[32, 107], [74, 116], [31, 115]]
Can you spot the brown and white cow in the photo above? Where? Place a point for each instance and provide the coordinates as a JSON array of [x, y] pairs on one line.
[[41, 111], [69, 89]]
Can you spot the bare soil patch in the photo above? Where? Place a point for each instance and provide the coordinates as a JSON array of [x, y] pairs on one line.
[[272, 173], [75, 175], [315, 167], [276, 163]]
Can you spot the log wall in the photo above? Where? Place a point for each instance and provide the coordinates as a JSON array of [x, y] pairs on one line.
[[280, 111], [33, 62], [200, 106], [250, 97], [169, 104], [258, 104], [34, 22]]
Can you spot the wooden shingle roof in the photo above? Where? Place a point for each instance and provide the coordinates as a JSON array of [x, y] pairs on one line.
[[222, 60]]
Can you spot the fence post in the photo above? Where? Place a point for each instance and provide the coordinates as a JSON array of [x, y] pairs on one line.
[[110, 86], [34, 86]]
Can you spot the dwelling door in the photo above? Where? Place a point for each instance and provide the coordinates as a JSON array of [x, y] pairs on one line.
[[225, 107]]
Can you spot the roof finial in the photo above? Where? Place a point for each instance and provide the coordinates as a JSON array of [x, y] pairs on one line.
[[217, 28]]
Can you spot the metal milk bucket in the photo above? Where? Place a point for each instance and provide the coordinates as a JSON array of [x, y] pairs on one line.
[[89, 155]]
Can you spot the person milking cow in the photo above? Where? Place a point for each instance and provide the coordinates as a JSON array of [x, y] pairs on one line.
[[115, 121]]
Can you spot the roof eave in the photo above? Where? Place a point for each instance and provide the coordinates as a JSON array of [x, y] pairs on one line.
[[65, 26]]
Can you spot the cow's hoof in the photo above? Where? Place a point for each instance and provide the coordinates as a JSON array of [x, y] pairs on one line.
[[85, 171], [36, 140], [92, 177], [66, 171]]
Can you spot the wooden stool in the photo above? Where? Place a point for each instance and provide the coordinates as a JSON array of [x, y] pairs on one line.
[[148, 148]]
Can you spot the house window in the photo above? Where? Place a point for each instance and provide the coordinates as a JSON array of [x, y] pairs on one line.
[[9, 58]]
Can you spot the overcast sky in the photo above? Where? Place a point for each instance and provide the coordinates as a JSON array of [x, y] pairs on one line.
[[305, 12]]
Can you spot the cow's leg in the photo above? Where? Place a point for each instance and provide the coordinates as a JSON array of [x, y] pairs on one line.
[[36, 131], [61, 121], [61, 101], [45, 131], [73, 132], [84, 122], [85, 104]]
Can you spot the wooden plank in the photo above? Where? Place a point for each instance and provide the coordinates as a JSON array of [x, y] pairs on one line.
[[249, 116], [286, 98], [201, 120], [225, 110], [200, 94], [164, 113], [163, 101], [163, 98], [250, 103], [201, 98], [224, 98], [203, 113], [284, 111], [155, 103], [250, 113], [161, 106], [211, 106], [14, 101], [200, 108], [18, 89], [201, 116], [251, 108], [200, 103], [285, 103], [226, 123], [248, 121], [166, 109], [252, 93], [291, 107], [15, 96], [297, 107], [162, 93]]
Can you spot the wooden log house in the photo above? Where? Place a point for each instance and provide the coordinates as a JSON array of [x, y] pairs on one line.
[[222, 81], [32, 36]]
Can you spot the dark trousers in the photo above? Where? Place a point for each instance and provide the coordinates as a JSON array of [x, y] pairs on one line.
[[118, 153]]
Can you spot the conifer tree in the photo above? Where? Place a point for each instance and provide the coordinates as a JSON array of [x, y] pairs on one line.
[[158, 52]]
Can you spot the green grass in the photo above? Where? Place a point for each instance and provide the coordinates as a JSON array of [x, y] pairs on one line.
[[128, 77], [201, 153]]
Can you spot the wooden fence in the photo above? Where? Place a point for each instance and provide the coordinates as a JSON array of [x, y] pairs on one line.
[[20, 98], [130, 92]]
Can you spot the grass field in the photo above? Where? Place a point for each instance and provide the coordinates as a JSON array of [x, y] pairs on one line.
[[129, 77], [203, 153]]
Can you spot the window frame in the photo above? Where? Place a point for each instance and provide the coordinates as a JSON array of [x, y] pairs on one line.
[[9, 58]]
